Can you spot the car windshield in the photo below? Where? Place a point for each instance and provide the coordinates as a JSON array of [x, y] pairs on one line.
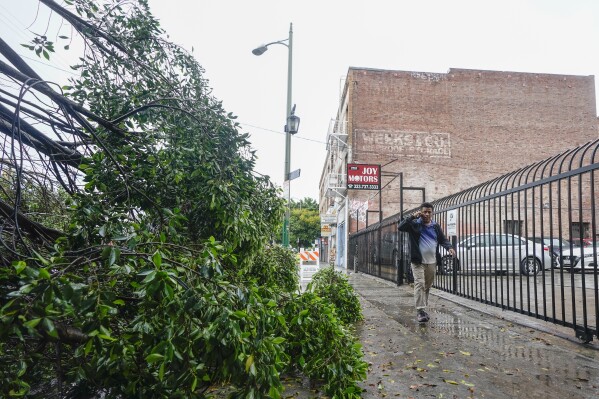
[[565, 244], [555, 242], [576, 243]]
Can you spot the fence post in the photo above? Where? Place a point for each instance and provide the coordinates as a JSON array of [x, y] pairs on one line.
[[454, 272]]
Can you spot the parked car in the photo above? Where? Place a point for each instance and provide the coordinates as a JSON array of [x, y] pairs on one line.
[[498, 253], [555, 245], [585, 242], [573, 261]]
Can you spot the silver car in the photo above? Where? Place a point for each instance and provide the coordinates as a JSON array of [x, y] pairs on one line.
[[573, 261], [498, 253]]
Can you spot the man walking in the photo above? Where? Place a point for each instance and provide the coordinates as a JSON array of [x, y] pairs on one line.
[[425, 235]]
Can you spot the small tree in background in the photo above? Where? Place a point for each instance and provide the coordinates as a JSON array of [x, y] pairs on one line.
[[304, 223]]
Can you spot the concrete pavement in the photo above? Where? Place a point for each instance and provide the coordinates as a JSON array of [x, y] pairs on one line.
[[467, 350]]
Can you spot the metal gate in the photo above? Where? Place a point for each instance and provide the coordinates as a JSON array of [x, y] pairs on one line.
[[381, 251], [527, 241]]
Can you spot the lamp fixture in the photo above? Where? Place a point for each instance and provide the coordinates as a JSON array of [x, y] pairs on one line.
[[293, 121]]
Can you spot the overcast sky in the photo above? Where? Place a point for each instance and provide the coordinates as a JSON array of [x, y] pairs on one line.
[[329, 36]]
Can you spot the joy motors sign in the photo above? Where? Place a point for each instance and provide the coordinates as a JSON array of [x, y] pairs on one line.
[[363, 177]]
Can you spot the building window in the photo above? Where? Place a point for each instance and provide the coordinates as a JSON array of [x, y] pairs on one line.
[[578, 227], [512, 226]]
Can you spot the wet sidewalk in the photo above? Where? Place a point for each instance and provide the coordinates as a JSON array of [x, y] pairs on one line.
[[467, 350]]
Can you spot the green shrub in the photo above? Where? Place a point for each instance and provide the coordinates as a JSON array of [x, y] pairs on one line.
[[276, 266], [323, 348], [173, 333], [335, 288]]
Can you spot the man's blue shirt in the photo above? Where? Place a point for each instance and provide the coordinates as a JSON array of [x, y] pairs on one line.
[[428, 243], [423, 239]]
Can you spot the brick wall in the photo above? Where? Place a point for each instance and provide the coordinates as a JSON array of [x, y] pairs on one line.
[[448, 132]]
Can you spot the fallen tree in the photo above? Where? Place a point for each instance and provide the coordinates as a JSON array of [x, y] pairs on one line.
[[138, 286]]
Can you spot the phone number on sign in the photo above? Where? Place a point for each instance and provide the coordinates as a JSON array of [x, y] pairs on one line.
[[364, 186]]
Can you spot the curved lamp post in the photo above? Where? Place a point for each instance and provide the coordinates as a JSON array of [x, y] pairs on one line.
[[292, 122]]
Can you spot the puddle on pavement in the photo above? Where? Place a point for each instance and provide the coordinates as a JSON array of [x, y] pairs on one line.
[[520, 353]]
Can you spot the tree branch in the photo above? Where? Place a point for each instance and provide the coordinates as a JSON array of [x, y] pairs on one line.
[[34, 228]]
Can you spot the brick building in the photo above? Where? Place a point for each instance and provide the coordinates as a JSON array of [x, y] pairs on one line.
[[444, 132]]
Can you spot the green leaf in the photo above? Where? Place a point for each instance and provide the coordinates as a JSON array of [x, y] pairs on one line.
[[22, 368], [88, 346], [150, 277], [49, 327], [154, 358], [122, 238], [239, 314], [106, 252], [249, 362], [282, 320], [274, 392], [32, 323], [161, 371], [157, 259], [168, 291], [278, 340], [19, 266], [67, 291], [112, 257], [40, 258], [44, 274]]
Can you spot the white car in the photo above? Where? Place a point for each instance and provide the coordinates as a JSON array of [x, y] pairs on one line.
[[502, 253], [572, 260]]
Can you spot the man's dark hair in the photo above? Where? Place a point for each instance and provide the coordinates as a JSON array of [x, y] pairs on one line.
[[427, 205]]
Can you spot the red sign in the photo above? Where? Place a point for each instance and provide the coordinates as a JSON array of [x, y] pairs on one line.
[[363, 177]]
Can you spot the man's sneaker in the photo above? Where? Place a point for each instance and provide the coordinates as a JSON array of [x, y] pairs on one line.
[[422, 316]]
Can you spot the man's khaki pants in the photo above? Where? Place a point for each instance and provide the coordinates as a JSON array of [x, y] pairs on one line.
[[424, 275]]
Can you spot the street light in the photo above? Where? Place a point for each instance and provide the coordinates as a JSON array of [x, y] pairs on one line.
[[293, 122], [291, 126]]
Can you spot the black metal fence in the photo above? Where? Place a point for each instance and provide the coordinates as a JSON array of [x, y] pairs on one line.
[[527, 241], [393, 264]]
